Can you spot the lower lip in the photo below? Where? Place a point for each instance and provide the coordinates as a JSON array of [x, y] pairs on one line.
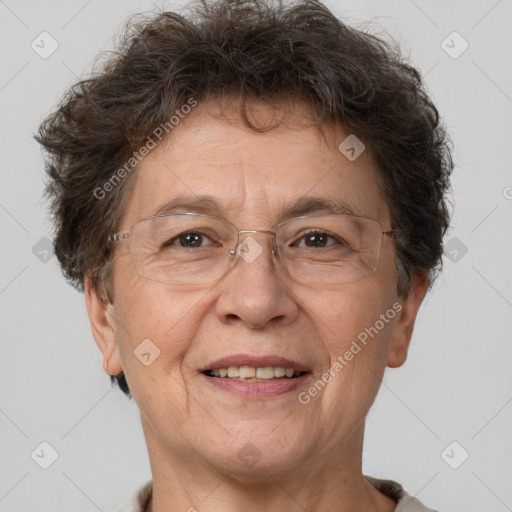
[[256, 389]]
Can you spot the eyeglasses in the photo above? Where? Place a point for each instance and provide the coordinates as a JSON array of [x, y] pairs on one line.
[[190, 248]]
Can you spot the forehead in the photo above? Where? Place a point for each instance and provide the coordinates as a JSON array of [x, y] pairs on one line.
[[212, 163]]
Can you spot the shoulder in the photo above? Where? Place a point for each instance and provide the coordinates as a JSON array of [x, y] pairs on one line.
[[405, 502]]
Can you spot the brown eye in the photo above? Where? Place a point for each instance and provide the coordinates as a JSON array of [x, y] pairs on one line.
[[189, 240], [319, 239], [316, 240]]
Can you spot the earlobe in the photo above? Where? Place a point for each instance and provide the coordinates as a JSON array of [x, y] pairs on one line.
[[404, 324], [102, 320]]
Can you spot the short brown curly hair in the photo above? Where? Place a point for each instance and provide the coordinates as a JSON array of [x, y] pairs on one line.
[[252, 50]]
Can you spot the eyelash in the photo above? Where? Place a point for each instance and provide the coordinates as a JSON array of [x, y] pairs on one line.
[[183, 234], [297, 240]]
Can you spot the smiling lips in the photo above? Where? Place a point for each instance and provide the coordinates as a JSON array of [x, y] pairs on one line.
[[256, 377], [252, 374]]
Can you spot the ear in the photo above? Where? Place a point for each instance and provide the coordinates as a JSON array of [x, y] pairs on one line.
[[404, 324], [101, 317]]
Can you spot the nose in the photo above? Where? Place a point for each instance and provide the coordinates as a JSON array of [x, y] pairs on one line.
[[254, 292]]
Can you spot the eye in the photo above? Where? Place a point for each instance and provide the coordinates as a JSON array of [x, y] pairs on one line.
[[190, 240], [319, 239]]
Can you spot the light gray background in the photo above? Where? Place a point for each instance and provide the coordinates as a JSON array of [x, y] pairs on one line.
[[457, 383]]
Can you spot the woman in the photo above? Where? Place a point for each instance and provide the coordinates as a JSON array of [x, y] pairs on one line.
[[252, 199]]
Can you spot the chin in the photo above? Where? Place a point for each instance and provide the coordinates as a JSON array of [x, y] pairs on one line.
[[258, 448]]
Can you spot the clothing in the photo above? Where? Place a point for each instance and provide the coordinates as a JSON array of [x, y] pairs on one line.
[[405, 503]]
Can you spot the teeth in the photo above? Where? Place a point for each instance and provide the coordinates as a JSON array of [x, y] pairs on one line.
[[265, 373], [279, 371], [246, 372], [234, 371], [254, 374]]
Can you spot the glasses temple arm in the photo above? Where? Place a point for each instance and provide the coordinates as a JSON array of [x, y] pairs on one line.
[[117, 237]]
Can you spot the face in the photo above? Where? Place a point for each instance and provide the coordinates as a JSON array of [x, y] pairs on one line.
[[254, 315]]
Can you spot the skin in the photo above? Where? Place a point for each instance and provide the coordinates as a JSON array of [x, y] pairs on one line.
[[310, 454]]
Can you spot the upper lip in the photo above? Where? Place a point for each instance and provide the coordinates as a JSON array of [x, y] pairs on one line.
[[255, 362]]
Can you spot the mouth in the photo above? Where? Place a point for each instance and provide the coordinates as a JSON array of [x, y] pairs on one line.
[[256, 377], [254, 374]]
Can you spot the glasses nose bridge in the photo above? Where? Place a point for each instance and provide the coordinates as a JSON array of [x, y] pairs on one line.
[[245, 234], [254, 232]]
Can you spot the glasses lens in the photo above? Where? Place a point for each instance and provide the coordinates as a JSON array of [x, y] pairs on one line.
[[195, 249], [182, 249], [330, 249]]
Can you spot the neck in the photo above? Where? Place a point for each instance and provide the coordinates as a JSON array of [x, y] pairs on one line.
[[324, 482]]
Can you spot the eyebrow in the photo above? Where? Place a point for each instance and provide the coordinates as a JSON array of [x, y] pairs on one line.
[[307, 205], [208, 205]]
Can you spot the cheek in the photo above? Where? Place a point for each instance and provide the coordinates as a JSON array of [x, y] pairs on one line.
[[163, 324], [356, 329], [356, 339], [155, 328], [350, 314]]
